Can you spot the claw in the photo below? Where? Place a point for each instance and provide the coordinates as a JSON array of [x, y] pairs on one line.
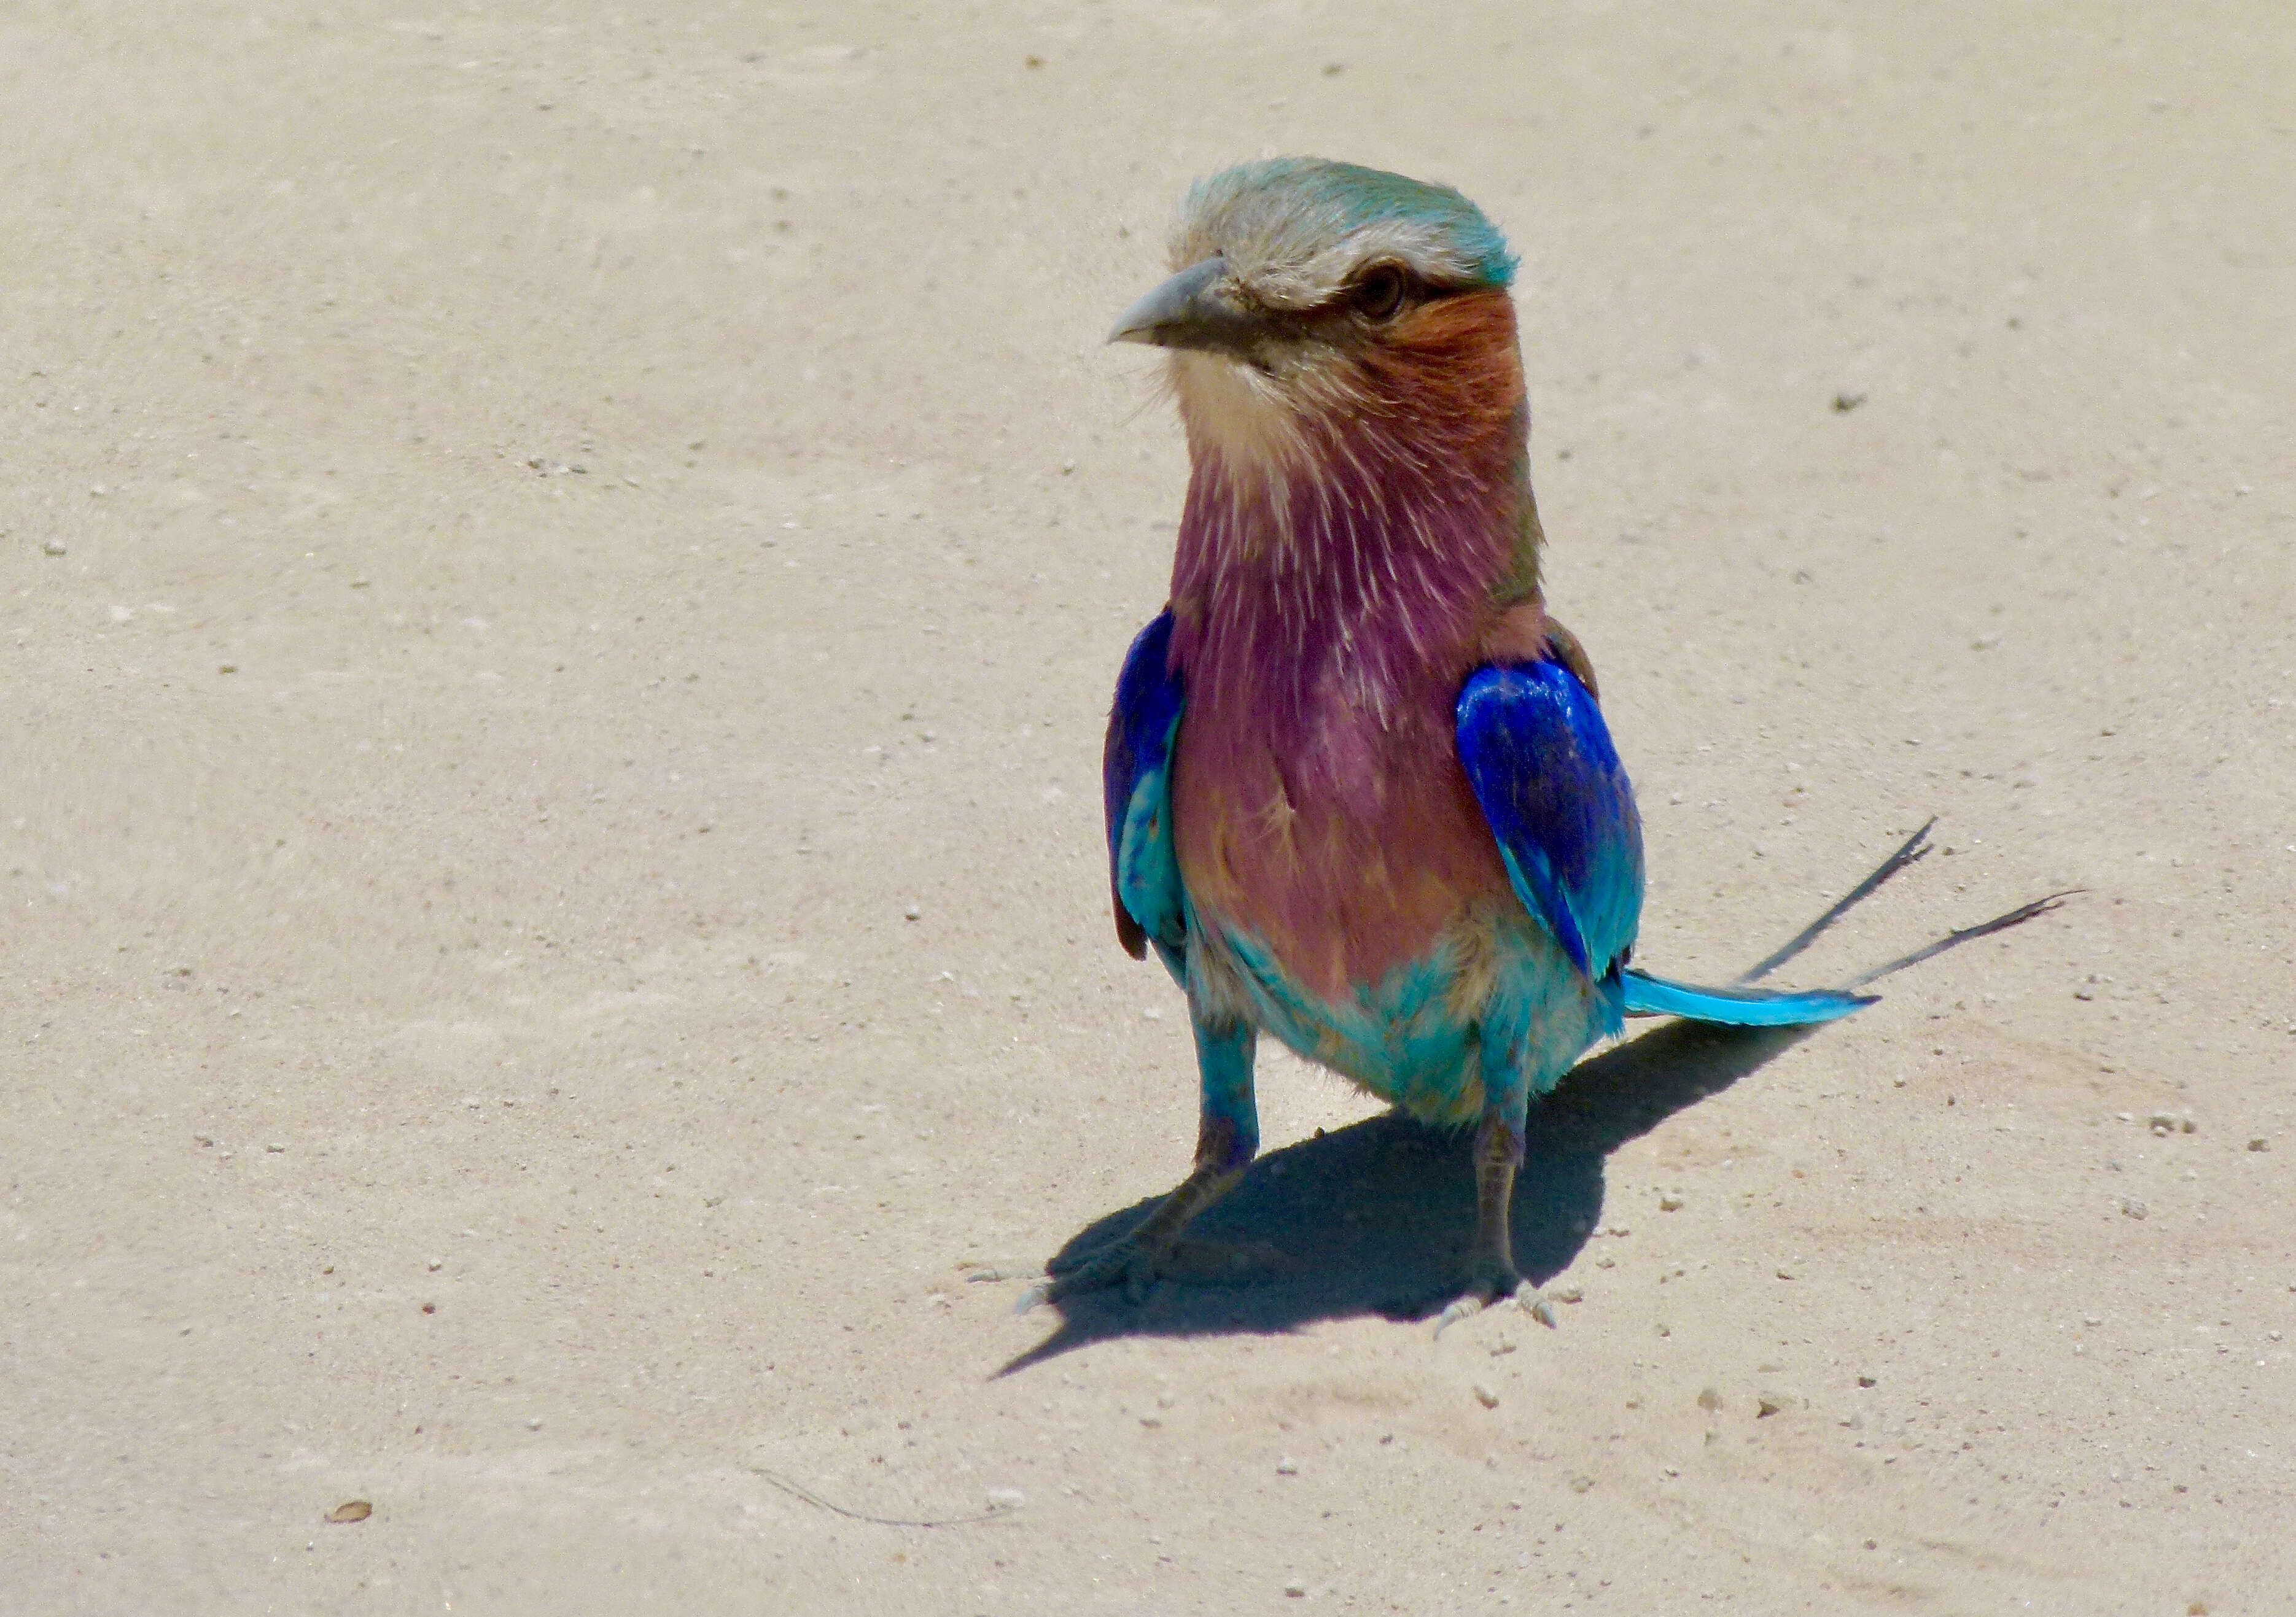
[[1462, 1308], [1493, 1282], [1124, 1264]]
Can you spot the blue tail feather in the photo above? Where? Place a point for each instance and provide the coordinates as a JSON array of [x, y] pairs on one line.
[[1650, 996]]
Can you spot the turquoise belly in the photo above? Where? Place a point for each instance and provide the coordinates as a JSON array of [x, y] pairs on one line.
[[1418, 1037]]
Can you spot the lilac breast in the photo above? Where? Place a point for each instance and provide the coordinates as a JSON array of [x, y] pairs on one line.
[[1319, 804]]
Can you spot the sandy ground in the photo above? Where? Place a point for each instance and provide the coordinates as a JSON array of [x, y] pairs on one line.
[[562, 567]]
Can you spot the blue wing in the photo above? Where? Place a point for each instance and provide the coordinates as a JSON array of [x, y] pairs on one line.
[[1143, 868], [1540, 760]]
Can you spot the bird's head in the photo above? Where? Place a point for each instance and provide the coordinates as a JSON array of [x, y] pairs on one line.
[[1313, 297]]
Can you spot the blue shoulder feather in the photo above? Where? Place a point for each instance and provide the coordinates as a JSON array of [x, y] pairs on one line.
[[1540, 760], [1143, 868]]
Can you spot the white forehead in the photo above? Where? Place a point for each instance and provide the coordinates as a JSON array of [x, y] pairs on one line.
[[1295, 229]]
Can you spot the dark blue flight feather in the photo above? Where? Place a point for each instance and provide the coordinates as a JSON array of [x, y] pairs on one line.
[[1540, 760], [1143, 868]]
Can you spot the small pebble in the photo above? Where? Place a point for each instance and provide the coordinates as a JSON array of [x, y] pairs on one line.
[[1542, 1311], [1670, 1204], [1486, 1397], [275, 1145], [1006, 1498], [1709, 1400], [1864, 1381], [436, 1264], [1785, 1274], [1287, 1467], [2132, 1207], [914, 912], [533, 1423], [53, 548], [1569, 1294], [1768, 1404], [2259, 1144], [1296, 1589]]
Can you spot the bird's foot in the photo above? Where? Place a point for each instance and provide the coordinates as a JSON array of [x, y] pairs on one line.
[[1491, 1282], [1137, 1266]]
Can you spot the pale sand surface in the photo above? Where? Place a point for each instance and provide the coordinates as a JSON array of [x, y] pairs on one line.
[[474, 1057]]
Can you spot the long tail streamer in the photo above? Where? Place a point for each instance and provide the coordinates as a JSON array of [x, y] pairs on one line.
[[1741, 1005]]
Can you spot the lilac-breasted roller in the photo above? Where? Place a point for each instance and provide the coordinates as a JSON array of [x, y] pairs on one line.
[[1360, 795]]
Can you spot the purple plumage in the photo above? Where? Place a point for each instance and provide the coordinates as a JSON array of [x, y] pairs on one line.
[[1359, 538], [1333, 586], [1361, 796]]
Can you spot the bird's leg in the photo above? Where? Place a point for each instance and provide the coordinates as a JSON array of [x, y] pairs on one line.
[[1491, 1277], [1227, 1137]]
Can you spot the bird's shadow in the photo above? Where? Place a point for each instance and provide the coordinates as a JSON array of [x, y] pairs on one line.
[[1374, 1219]]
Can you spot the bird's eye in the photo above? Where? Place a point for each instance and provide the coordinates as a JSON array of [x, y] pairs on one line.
[[1380, 295]]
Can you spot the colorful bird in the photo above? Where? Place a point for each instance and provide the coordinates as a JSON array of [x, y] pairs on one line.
[[1359, 792]]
